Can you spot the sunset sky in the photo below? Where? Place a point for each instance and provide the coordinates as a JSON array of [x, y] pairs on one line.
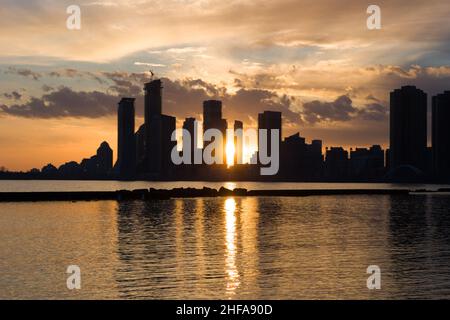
[[315, 61]]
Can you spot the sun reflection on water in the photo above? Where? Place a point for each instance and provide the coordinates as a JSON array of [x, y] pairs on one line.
[[230, 261]]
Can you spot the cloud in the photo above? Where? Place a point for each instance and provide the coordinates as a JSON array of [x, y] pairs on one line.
[[13, 95], [24, 72], [247, 103], [182, 98], [65, 102], [148, 64], [340, 109], [69, 72], [184, 25], [374, 112]]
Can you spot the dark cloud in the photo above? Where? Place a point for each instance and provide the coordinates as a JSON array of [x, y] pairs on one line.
[[24, 72], [373, 112], [340, 109], [65, 102], [183, 98], [74, 73], [13, 95], [46, 88], [370, 97], [70, 73], [248, 103]]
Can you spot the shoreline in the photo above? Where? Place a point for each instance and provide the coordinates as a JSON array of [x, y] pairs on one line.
[[164, 194]]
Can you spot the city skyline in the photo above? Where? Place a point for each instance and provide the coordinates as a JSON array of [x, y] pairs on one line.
[[149, 152], [316, 63], [249, 150]]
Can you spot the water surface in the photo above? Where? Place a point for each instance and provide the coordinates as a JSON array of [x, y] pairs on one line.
[[79, 185], [221, 248]]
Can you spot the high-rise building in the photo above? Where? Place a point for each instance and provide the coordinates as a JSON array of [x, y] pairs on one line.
[[408, 128], [168, 127], [158, 133], [152, 126], [191, 143], [126, 151], [212, 119], [238, 142], [366, 163], [153, 99], [441, 135], [212, 113], [104, 159], [300, 160], [336, 163], [160, 145], [269, 120], [140, 148]]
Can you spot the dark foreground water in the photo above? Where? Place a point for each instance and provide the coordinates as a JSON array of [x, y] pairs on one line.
[[221, 248]]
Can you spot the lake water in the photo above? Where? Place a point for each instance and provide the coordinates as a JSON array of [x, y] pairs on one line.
[[64, 185], [315, 247]]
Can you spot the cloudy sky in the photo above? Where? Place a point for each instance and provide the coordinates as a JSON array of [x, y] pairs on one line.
[[315, 61]]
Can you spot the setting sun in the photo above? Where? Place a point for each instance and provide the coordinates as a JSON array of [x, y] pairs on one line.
[[230, 150]]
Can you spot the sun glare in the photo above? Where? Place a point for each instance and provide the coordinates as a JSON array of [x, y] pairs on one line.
[[230, 149]]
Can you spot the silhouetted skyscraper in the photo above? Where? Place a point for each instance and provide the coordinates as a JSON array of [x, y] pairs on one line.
[[152, 122], [168, 126], [238, 142], [140, 148], [104, 159], [441, 135], [153, 99], [300, 160], [408, 128], [269, 120], [158, 133], [336, 163], [366, 163], [212, 119], [191, 144], [212, 113], [126, 151]]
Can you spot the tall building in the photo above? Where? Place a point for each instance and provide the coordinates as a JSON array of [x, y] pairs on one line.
[[212, 119], [191, 143], [168, 126], [140, 148], [366, 163], [158, 144], [152, 124], [104, 159], [212, 113], [269, 120], [158, 133], [408, 128], [153, 99], [441, 135], [238, 142], [336, 163], [300, 160], [126, 151]]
